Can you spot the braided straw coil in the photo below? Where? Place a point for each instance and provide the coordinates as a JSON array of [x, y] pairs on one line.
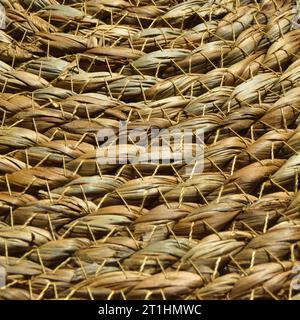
[[72, 227]]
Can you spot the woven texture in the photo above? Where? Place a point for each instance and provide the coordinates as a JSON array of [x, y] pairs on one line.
[[71, 228]]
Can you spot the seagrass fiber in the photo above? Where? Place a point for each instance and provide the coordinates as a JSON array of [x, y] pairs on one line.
[[86, 218]]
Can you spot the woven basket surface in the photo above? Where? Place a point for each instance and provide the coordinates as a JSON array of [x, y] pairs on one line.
[[73, 227]]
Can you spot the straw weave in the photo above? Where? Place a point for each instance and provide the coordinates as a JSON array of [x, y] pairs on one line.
[[71, 228]]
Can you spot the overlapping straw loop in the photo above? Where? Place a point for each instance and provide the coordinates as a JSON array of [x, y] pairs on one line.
[[72, 227]]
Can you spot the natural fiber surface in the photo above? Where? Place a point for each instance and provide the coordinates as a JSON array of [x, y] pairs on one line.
[[71, 228]]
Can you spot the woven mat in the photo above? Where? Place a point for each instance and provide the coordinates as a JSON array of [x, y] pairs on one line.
[[73, 227]]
